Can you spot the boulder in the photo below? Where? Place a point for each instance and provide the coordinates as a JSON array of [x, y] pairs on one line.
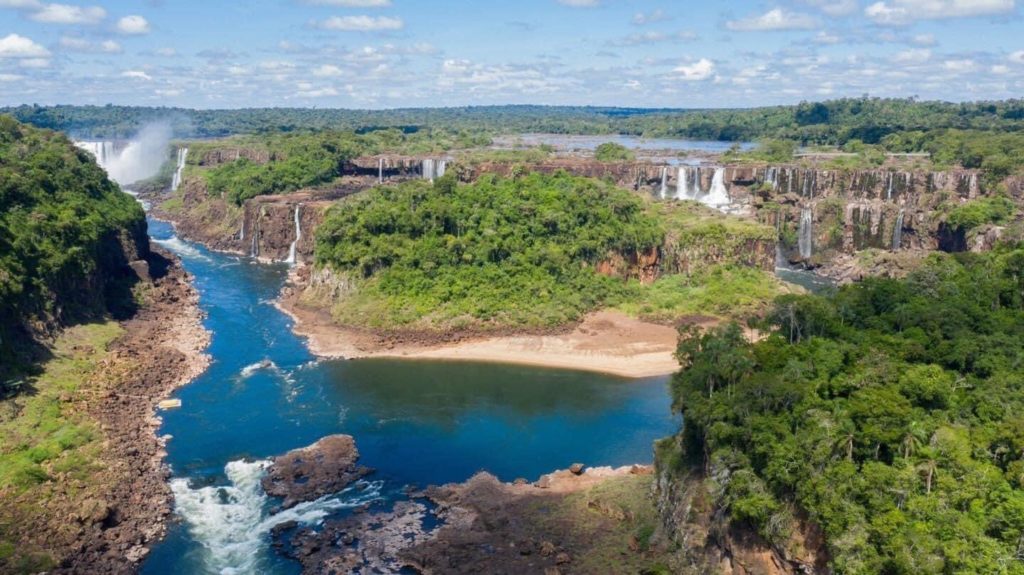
[[309, 473]]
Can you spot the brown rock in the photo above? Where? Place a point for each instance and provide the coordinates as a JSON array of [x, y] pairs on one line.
[[306, 474], [576, 468]]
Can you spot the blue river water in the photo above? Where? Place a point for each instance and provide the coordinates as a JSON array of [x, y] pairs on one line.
[[415, 423]]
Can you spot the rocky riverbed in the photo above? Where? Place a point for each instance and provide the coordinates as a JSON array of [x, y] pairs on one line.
[[105, 524]]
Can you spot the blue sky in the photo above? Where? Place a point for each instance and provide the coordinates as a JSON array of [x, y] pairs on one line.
[[397, 53]]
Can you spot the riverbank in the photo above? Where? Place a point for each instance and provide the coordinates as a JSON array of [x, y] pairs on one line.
[[102, 498], [606, 341]]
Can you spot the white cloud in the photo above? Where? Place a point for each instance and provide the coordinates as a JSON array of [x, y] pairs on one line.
[[136, 74], [579, 3], [326, 71], [10, 77], [924, 39], [20, 4], [317, 93], [913, 56], [1017, 57], [1000, 69], [642, 19], [34, 63], [352, 3], [824, 37], [834, 7], [361, 23], [901, 12], [959, 66], [67, 14], [133, 25], [700, 70], [777, 19], [82, 45], [166, 52], [15, 46]]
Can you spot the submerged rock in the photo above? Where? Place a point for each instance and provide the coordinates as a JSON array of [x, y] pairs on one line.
[[309, 473]]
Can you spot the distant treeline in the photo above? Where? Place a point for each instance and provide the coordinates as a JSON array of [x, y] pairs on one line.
[[834, 122]]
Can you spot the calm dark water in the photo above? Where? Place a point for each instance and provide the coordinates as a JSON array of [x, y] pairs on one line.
[[416, 423]]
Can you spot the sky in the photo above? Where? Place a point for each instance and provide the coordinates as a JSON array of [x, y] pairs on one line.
[[414, 53]]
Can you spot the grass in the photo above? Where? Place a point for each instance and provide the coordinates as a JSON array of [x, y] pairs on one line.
[[611, 526], [43, 435], [723, 291]]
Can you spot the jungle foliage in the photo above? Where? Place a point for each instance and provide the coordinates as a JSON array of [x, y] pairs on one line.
[[889, 411]]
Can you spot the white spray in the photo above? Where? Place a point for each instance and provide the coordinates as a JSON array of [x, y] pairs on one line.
[[139, 160]]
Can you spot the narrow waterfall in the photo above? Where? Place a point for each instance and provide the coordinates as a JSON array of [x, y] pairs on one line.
[[241, 234], [255, 251], [433, 169], [664, 182], [888, 190], [806, 233], [298, 236], [771, 177], [380, 170], [897, 232], [718, 195], [176, 180], [683, 184]]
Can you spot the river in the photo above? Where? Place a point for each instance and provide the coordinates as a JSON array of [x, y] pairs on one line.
[[416, 423]]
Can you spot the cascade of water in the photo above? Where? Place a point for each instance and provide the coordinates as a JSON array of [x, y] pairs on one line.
[[428, 169], [380, 170], [176, 180], [298, 236], [888, 190], [682, 184], [806, 233], [897, 232], [241, 234], [718, 195], [789, 180], [231, 521], [664, 182], [442, 167]]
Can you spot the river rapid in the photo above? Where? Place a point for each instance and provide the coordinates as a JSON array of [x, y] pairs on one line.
[[416, 423]]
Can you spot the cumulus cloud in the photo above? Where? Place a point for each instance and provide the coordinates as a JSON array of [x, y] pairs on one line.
[[67, 14], [834, 7], [361, 23], [76, 44], [326, 71], [913, 56], [1017, 57], [133, 25], [776, 19], [700, 70], [137, 75], [15, 46], [642, 19], [902, 12]]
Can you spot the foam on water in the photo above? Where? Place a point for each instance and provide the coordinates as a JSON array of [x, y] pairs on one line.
[[232, 521], [253, 368], [181, 248]]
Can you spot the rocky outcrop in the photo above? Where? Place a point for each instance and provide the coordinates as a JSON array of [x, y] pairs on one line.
[[309, 473], [633, 175], [694, 519], [219, 156]]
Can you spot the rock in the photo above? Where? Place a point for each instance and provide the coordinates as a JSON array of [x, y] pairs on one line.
[[576, 468], [562, 558], [547, 549], [93, 511], [306, 474], [544, 482], [520, 481]]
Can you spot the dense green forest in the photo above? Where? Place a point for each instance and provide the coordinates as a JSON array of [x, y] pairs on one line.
[[890, 411], [517, 252], [300, 160], [64, 231]]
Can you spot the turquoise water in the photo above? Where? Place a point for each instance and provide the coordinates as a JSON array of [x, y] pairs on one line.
[[416, 423]]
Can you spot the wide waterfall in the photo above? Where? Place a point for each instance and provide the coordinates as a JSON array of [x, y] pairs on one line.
[[433, 169], [102, 151], [897, 232], [806, 233], [176, 180], [718, 196], [298, 236], [664, 182]]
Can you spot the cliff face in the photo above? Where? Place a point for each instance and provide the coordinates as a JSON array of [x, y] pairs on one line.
[[693, 518]]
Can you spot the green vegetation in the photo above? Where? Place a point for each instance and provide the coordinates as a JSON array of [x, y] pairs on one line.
[[495, 253], [890, 412], [44, 434], [522, 252], [64, 233], [612, 152], [981, 211]]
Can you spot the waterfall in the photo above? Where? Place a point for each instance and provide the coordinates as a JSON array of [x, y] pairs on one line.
[[232, 523], [789, 181], [433, 169], [718, 195], [806, 234], [298, 236], [683, 184], [897, 232], [241, 234], [888, 190], [103, 151], [176, 180], [771, 177], [664, 182]]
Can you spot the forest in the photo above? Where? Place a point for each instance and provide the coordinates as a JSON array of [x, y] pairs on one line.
[[889, 412], [62, 228]]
